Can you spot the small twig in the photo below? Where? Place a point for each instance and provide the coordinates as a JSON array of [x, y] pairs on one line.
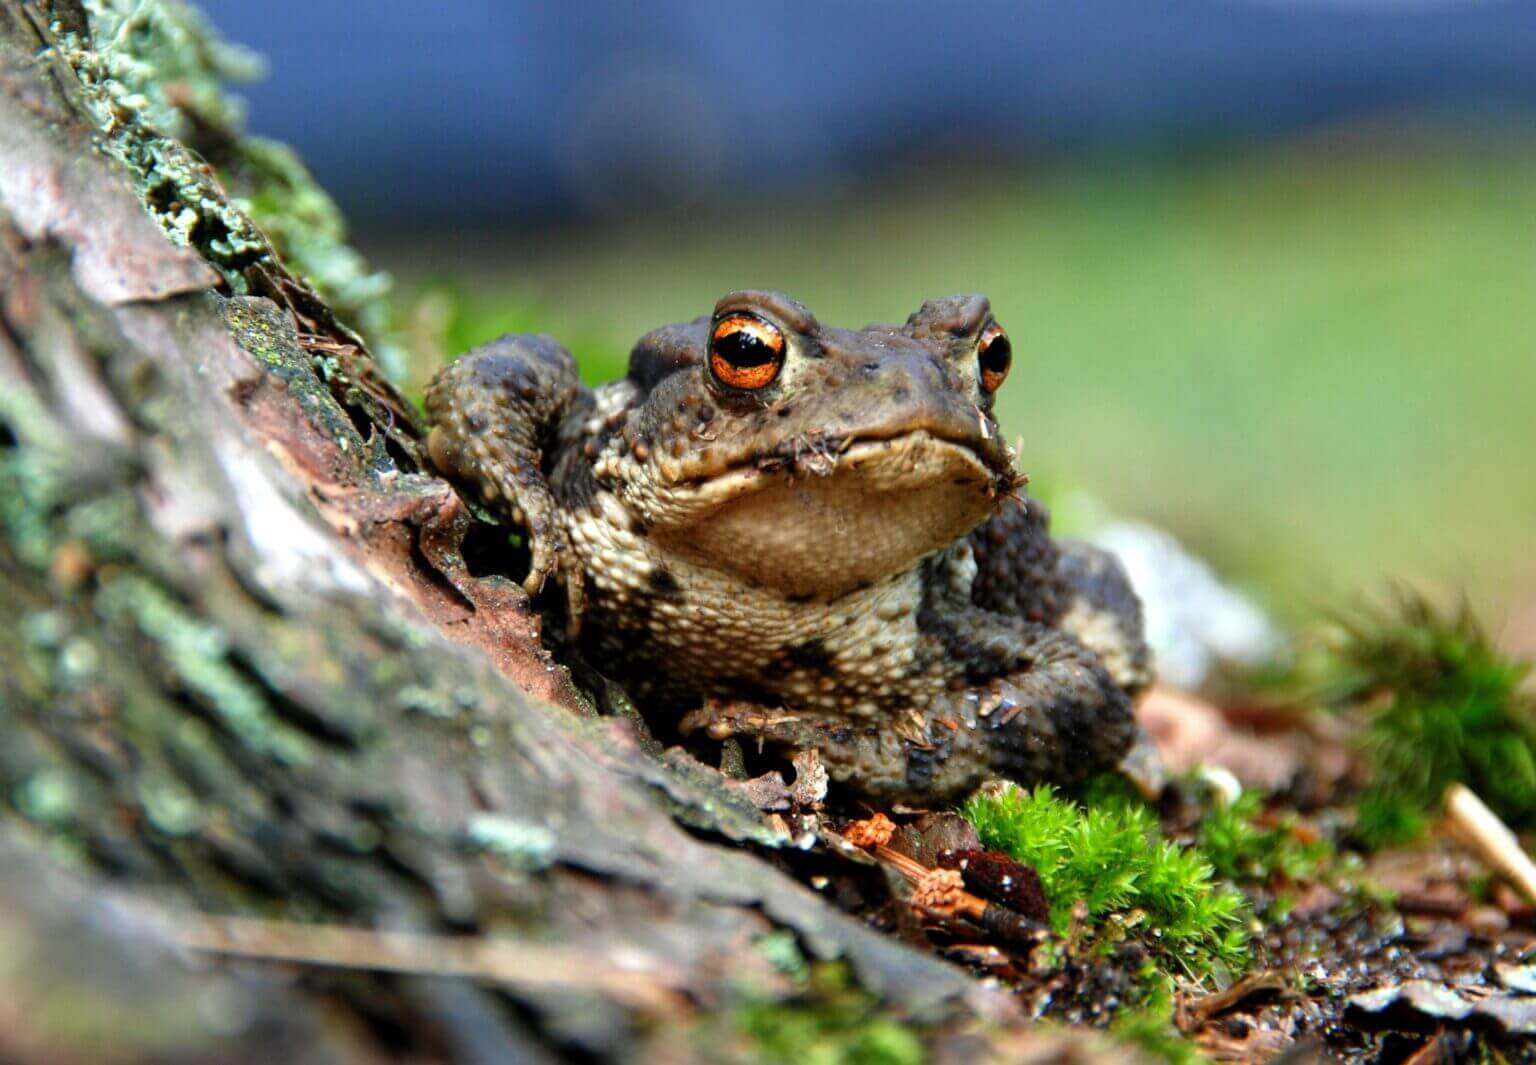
[[1431, 1053], [1195, 1012], [965, 904], [520, 964], [915, 872], [1482, 830], [936, 894], [320, 343]]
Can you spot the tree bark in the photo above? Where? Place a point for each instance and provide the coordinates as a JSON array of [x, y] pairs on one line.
[[246, 670]]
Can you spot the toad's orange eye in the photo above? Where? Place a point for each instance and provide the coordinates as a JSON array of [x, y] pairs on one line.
[[994, 355], [745, 352]]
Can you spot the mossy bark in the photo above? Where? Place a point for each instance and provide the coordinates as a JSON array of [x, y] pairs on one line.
[[245, 669]]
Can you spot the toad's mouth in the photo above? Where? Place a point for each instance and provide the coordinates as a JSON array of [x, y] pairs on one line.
[[820, 455], [821, 524]]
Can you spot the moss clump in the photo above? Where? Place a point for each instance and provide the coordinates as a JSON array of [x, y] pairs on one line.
[[1113, 859], [832, 1022], [1241, 847], [1441, 705]]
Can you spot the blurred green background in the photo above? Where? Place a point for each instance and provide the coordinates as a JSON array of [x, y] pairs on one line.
[[1312, 360], [1269, 265]]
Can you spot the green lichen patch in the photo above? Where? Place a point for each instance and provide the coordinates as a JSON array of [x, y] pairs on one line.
[[1111, 864], [198, 652], [522, 845], [1150, 1029], [29, 488], [264, 331], [47, 796], [154, 76], [151, 75], [168, 63], [169, 806]]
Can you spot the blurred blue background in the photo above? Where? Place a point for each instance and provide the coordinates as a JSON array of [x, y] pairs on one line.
[[1270, 267], [532, 110]]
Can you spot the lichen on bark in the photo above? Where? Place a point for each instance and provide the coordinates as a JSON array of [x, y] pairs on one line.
[[153, 75]]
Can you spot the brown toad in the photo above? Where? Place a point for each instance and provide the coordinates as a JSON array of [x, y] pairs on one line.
[[811, 538]]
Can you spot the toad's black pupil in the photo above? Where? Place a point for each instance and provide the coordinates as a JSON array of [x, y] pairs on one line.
[[744, 348], [997, 355]]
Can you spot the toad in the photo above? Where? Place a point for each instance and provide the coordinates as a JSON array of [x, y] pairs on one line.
[[809, 538]]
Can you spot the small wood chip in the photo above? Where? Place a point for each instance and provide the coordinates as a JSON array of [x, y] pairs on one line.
[[1193, 1013], [963, 903]]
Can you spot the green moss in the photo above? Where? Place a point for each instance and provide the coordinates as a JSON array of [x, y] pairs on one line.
[[1112, 858], [1239, 847], [1384, 818], [832, 1022], [1441, 705], [1151, 1031], [446, 317]]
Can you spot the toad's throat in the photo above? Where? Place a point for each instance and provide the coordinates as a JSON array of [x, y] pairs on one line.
[[883, 506]]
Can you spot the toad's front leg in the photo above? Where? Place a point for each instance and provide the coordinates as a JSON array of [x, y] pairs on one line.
[[1026, 700], [1022, 572], [1015, 698], [496, 411], [1053, 714]]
